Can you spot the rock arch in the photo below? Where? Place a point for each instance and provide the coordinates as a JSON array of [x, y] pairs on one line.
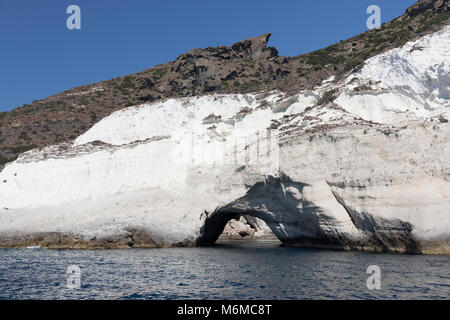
[[279, 203], [295, 221]]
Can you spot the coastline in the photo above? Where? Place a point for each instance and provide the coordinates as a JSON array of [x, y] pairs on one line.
[[57, 241]]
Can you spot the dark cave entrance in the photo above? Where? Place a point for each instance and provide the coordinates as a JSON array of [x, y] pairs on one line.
[[233, 226], [275, 201]]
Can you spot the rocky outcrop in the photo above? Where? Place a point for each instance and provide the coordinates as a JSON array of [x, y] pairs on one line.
[[424, 5], [212, 68]]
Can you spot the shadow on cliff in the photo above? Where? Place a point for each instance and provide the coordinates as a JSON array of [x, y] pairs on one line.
[[279, 202], [295, 221]]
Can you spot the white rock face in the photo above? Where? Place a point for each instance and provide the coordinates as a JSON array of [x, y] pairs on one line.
[[371, 172], [414, 78]]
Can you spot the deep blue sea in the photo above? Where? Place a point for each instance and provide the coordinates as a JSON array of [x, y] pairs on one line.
[[225, 271]]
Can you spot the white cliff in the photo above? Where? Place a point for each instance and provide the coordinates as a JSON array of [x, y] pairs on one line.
[[368, 172], [414, 78]]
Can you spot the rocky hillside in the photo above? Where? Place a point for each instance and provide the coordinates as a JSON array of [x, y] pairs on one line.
[[246, 66]]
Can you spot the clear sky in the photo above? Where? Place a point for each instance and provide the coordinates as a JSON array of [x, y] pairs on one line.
[[40, 57]]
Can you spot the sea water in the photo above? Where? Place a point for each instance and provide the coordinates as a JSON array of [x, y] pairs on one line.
[[249, 270]]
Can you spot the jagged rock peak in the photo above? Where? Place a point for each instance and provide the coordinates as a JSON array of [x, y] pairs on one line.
[[255, 47]]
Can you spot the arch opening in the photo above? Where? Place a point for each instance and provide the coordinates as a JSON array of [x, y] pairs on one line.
[[247, 228], [219, 227], [276, 201]]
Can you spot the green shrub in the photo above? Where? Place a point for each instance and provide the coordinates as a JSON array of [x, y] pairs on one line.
[[363, 87], [431, 23], [127, 83], [323, 58], [354, 64], [14, 113], [327, 97], [84, 101], [301, 72], [159, 73], [263, 105], [251, 85], [24, 136]]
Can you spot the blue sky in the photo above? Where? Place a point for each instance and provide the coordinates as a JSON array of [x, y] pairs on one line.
[[40, 57]]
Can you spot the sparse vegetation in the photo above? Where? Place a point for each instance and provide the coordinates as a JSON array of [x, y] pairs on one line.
[[353, 64], [431, 24], [14, 113], [363, 87], [225, 85], [327, 97], [263, 105], [301, 71], [24, 136], [21, 149], [84, 102], [128, 83], [250, 86], [321, 58], [93, 116], [159, 73]]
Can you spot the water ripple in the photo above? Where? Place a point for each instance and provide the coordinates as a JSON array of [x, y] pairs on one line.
[[221, 272]]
